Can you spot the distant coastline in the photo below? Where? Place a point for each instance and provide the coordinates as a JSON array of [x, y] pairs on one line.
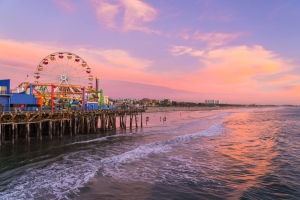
[[196, 108]]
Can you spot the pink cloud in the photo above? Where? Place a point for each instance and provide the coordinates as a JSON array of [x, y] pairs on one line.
[[229, 74], [184, 34], [66, 4], [114, 64], [277, 79], [215, 39], [136, 14], [217, 14], [118, 58], [181, 50], [233, 69], [236, 65], [106, 13], [210, 39]]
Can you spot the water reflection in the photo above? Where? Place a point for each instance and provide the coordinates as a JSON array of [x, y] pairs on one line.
[[248, 149]]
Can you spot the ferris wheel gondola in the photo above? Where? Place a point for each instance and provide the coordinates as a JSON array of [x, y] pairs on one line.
[[64, 69]]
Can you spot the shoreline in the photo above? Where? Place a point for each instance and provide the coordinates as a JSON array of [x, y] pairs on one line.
[[172, 109]]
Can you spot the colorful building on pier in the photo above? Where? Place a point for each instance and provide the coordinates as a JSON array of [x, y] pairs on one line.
[[10, 101]]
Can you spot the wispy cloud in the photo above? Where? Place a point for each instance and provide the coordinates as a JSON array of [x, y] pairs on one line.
[[209, 39], [276, 10], [119, 58], [215, 39], [106, 13], [185, 34], [284, 77], [65, 4], [105, 63], [225, 70], [181, 50], [136, 14]]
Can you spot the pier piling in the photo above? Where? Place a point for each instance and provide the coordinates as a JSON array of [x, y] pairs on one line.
[[23, 125]]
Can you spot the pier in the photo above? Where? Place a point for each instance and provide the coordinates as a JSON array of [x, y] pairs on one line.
[[25, 125]]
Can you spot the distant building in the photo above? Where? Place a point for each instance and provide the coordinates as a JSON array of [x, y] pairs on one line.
[[209, 101], [148, 102], [169, 101], [145, 101], [217, 101], [166, 101], [212, 102], [118, 104], [154, 102]]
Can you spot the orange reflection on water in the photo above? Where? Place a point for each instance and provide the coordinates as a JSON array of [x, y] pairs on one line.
[[247, 149]]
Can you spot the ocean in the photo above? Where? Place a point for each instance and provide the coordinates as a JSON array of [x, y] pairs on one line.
[[246, 153]]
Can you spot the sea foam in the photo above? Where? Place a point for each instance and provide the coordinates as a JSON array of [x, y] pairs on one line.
[[64, 176]]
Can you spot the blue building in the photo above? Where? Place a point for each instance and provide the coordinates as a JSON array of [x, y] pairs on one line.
[[5, 95], [8, 99], [91, 106], [108, 107]]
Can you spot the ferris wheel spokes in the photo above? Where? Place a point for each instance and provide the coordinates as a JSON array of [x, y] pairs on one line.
[[64, 69]]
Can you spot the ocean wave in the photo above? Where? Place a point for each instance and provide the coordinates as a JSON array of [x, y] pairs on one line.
[[65, 175], [101, 138], [114, 166]]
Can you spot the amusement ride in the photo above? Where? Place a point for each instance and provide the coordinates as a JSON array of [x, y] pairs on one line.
[[62, 76]]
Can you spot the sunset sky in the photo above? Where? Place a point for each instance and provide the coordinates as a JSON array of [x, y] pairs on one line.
[[237, 51]]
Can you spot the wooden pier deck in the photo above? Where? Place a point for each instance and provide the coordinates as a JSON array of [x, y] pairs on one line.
[[15, 125]]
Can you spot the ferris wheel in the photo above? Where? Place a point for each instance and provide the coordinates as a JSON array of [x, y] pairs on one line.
[[66, 70]]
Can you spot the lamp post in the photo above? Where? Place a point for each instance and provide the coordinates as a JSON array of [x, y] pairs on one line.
[[52, 96], [83, 98], [97, 88]]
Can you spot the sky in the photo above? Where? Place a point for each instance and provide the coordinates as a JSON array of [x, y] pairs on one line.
[[237, 51]]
